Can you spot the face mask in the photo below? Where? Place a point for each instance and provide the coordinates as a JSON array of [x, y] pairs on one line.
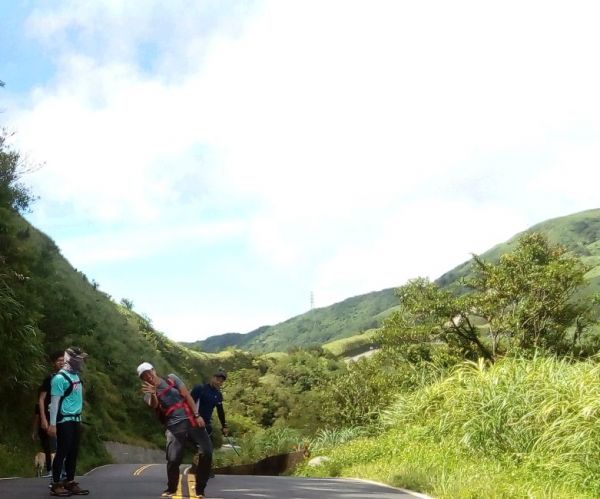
[[74, 362]]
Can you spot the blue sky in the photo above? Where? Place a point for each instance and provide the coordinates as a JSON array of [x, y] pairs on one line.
[[216, 162]]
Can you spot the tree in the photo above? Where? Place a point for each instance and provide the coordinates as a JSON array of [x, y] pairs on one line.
[[19, 336], [13, 194], [128, 304], [522, 302]]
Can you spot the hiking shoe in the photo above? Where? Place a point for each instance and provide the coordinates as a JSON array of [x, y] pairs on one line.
[[75, 489], [57, 489], [168, 493]]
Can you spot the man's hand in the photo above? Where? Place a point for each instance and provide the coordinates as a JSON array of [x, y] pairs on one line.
[[200, 422], [148, 388], [44, 424], [33, 435], [52, 431], [225, 431]]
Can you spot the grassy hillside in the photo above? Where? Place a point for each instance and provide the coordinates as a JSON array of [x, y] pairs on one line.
[[519, 428], [579, 232], [61, 307]]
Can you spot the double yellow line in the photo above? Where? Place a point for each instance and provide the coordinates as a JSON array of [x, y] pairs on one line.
[[190, 479], [141, 469], [191, 484]]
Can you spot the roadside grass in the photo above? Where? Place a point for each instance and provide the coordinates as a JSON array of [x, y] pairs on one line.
[[258, 445], [520, 428]]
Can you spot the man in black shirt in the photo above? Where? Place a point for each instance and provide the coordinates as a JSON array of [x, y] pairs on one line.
[[42, 412], [209, 396]]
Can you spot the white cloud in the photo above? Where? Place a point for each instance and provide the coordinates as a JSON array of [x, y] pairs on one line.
[[424, 239], [330, 130], [126, 244]]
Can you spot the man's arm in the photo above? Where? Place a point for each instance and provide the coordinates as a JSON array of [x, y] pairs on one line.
[[57, 390], [35, 426], [188, 398], [195, 393], [55, 400], [150, 394], [42, 408], [221, 414]]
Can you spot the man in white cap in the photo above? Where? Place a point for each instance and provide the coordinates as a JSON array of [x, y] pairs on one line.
[[171, 397]]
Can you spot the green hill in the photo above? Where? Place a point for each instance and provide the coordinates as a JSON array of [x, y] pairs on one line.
[[580, 233], [321, 325], [47, 305]]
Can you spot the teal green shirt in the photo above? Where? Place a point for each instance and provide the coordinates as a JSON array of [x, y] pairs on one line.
[[72, 405]]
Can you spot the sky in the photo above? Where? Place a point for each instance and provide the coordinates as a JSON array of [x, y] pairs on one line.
[[218, 163]]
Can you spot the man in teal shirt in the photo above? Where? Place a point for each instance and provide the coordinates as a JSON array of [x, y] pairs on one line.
[[65, 422]]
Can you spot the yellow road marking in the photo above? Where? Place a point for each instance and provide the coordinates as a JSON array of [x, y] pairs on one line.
[[191, 483], [180, 492], [139, 471]]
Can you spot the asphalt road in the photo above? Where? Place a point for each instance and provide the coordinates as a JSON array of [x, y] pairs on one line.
[[148, 481]]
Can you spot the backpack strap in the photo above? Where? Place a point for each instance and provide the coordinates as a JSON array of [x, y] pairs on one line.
[[177, 405], [170, 386], [68, 391]]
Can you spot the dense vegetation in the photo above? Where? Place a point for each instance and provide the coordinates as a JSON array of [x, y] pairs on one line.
[[517, 428]]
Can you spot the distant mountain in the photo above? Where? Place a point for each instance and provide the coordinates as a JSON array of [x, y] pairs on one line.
[[321, 325], [222, 341], [579, 233]]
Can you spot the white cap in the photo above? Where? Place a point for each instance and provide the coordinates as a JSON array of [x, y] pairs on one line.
[[143, 367]]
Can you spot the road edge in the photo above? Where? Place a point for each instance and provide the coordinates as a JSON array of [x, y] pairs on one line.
[[405, 491]]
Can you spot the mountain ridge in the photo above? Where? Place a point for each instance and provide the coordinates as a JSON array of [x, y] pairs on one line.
[[578, 232]]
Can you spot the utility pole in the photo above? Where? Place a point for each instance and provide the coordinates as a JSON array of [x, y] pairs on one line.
[[312, 300]]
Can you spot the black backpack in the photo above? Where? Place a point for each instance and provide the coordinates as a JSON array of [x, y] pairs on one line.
[[68, 392]]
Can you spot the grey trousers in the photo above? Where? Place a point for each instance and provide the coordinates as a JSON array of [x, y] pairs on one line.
[[177, 437]]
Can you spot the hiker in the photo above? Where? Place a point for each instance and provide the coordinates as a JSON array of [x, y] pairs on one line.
[[65, 422], [42, 413], [173, 401], [209, 396]]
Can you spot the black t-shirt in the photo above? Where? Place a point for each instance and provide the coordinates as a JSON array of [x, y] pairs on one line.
[[44, 387], [210, 397]]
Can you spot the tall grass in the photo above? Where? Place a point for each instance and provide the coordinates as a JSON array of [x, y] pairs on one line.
[[519, 428], [332, 437], [256, 446], [542, 412]]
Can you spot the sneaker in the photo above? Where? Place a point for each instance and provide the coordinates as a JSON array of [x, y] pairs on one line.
[[57, 489], [75, 489], [168, 493], [47, 475], [199, 494]]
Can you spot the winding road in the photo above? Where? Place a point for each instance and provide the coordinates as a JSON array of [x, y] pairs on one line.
[[135, 481]]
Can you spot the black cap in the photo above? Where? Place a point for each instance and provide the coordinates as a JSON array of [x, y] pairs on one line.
[[221, 374], [76, 352]]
